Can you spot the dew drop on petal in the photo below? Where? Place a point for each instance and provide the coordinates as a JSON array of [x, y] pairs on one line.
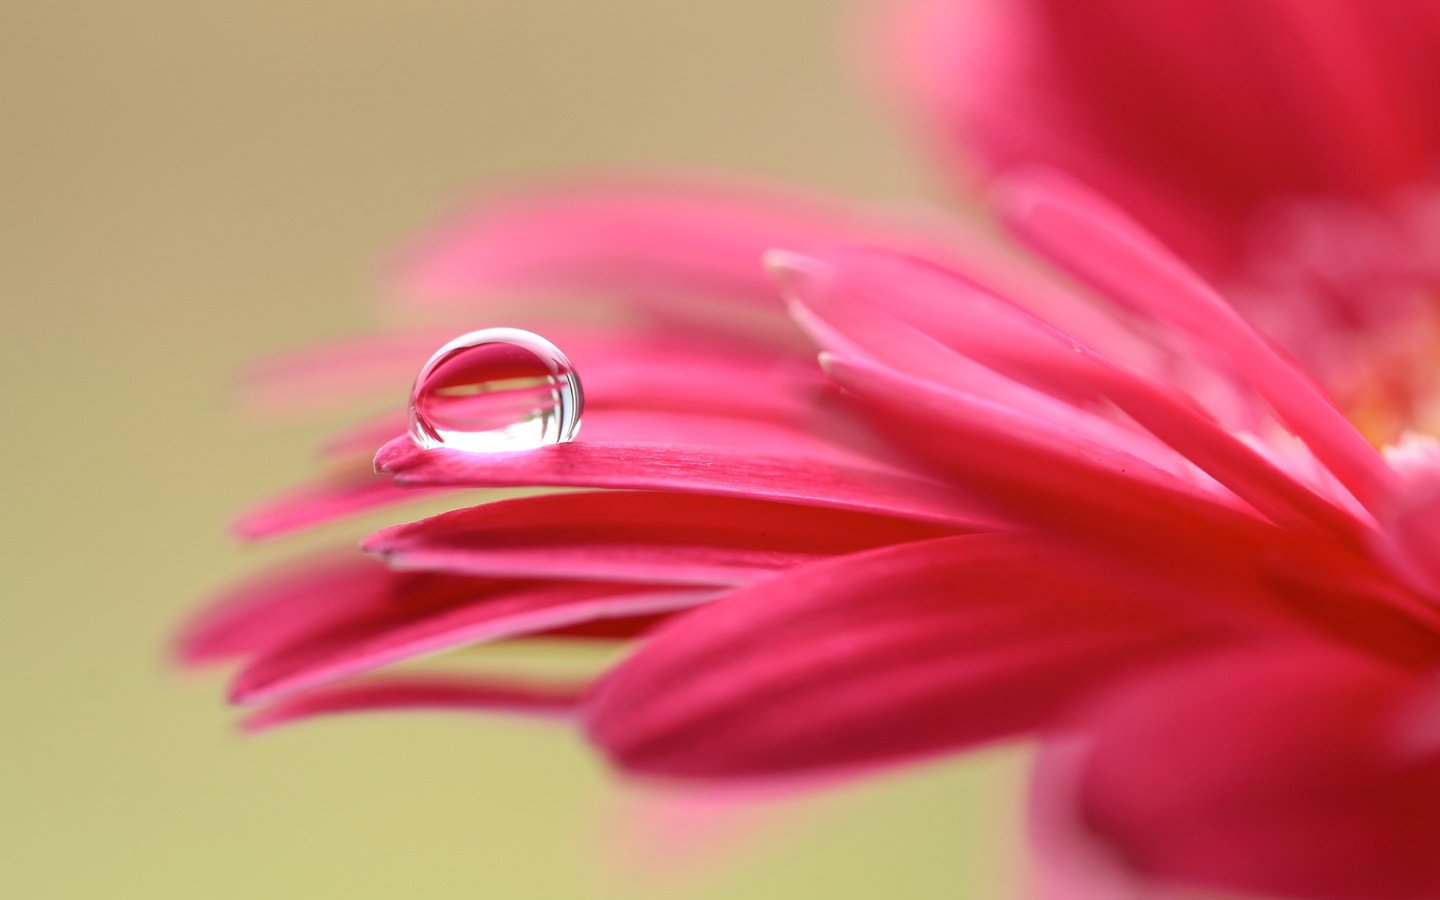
[[496, 390]]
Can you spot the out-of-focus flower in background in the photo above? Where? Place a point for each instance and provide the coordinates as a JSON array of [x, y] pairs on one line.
[[994, 509], [1290, 149]]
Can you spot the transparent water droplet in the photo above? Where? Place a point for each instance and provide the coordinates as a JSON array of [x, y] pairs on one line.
[[496, 390]]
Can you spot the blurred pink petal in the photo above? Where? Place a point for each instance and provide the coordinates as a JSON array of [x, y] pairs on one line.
[[843, 664], [1214, 108], [274, 607], [1270, 771], [343, 494], [420, 694], [659, 839], [629, 236], [315, 376], [1411, 522], [648, 363]]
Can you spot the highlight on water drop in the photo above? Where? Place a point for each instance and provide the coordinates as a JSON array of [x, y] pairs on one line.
[[496, 390]]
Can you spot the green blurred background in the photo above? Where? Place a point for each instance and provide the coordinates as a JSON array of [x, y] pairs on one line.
[[189, 185]]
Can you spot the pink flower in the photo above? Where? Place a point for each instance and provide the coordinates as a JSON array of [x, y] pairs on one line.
[[1135, 531], [1145, 537], [1289, 149]]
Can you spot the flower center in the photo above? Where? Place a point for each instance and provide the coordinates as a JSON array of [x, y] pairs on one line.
[[1353, 291]]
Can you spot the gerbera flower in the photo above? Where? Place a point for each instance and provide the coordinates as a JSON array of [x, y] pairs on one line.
[[1290, 150], [1160, 537], [992, 510]]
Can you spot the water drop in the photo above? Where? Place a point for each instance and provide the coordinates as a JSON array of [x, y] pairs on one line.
[[496, 390]]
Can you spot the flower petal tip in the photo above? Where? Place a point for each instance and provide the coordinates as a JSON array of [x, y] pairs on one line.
[[783, 264], [396, 455], [265, 720], [1026, 190]]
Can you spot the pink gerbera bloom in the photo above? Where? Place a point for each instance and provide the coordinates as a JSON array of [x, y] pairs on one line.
[[1149, 539], [1112, 517], [1288, 148]]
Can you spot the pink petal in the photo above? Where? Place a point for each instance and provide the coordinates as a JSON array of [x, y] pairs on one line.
[[1085, 236], [614, 364], [825, 434], [641, 537], [1366, 118], [871, 658], [674, 375], [344, 494], [1409, 540], [719, 471], [407, 627], [679, 378], [638, 238], [988, 85], [304, 378], [280, 604], [421, 693], [736, 423], [1274, 771], [668, 839], [1160, 106]]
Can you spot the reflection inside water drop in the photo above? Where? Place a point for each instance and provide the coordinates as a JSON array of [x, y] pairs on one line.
[[496, 390]]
